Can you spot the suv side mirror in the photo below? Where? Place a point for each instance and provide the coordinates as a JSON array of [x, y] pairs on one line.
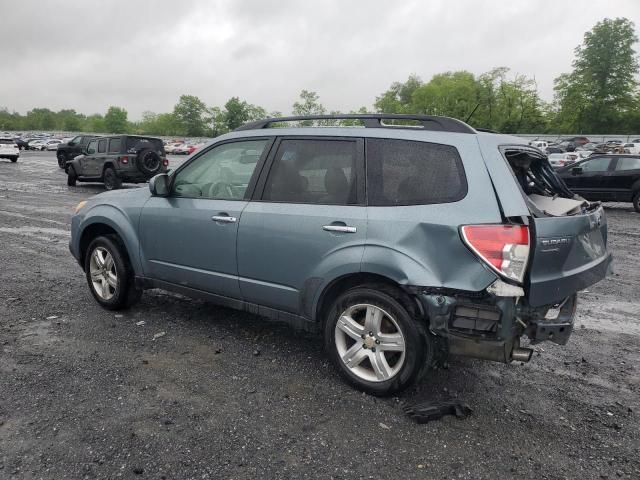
[[576, 171], [159, 185]]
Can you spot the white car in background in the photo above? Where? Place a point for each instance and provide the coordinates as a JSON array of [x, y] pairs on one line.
[[541, 144], [52, 144], [632, 147], [36, 144], [9, 149], [559, 160], [171, 147]]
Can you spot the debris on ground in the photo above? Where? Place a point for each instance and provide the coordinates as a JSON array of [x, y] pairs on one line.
[[428, 411], [140, 323], [159, 334]]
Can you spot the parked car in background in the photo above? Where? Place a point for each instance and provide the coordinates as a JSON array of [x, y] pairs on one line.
[[559, 160], [575, 140], [76, 146], [117, 159], [36, 144], [23, 144], [632, 147], [182, 149], [9, 149], [193, 148], [398, 244], [607, 178], [51, 145], [170, 147], [541, 144]]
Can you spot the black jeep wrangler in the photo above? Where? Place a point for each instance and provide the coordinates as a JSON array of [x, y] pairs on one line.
[[68, 151], [118, 159]]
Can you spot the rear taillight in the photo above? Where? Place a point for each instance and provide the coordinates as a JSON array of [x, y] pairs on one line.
[[165, 162], [505, 248], [124, 159]]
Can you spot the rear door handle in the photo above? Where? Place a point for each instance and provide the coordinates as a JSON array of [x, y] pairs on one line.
[[224, 219], [340, 228]]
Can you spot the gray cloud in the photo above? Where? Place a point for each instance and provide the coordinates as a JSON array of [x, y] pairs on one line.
[[143, 54]]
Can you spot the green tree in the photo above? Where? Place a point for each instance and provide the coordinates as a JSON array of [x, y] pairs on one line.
[[95, 124], [308, 104], [40, 119], [398, 99], [600, 92], [453, 94], [190, 113], [238, 112], [115, 121]]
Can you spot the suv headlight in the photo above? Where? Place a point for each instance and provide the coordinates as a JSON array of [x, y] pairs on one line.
[[80, 206]]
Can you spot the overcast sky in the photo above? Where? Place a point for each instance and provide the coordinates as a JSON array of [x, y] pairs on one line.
[[142, 54]]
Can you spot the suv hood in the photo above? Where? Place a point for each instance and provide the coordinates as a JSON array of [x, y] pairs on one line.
[[129, 197]]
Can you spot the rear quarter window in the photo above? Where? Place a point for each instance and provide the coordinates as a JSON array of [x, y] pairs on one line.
[[135, 144], [405, 172]]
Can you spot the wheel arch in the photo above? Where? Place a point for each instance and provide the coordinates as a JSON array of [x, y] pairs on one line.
[[345, 282], [107, 225]]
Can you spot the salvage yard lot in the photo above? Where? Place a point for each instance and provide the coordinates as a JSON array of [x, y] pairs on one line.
[[86, 393]]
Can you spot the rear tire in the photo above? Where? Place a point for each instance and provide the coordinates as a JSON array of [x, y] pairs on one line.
[[636, 201], [110, 179], [372, 336], [13, 159], [109, 274], [71, 176]]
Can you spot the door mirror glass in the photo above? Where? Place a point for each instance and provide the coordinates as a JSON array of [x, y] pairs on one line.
[[159, 185], [576, 170]]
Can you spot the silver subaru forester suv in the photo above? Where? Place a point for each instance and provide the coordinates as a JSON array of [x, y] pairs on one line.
[[400, 238]]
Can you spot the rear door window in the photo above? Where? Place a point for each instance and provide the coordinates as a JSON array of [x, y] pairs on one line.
[[404, 172], [115, 145], [628, 163], [102, 146], [320, 171], [596, 165]]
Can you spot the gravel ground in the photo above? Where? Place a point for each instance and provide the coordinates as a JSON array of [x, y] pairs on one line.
[[85, 393]]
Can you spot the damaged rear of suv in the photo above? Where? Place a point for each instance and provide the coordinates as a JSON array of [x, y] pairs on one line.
[[550, 244]]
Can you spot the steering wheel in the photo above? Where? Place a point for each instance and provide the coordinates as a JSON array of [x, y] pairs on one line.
[[220, 189]]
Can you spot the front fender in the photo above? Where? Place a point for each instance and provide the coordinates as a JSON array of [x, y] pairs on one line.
[[120, 222]]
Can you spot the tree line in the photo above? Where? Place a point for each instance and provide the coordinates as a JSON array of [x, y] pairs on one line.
[[600, 95]]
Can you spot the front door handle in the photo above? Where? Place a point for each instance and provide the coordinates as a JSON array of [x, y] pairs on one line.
[[224, 219], [340, 228]]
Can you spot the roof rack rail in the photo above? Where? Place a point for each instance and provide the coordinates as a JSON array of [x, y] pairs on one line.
[[374, 120]]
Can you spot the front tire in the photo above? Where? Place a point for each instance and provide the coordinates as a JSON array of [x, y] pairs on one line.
[[109, 274], [375, 341]]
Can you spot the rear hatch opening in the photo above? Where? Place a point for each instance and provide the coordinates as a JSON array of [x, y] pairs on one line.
[[568, 233], [545, 193]]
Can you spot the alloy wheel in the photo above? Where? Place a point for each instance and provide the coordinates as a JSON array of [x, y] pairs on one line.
[[370, 343], [104, 277]]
